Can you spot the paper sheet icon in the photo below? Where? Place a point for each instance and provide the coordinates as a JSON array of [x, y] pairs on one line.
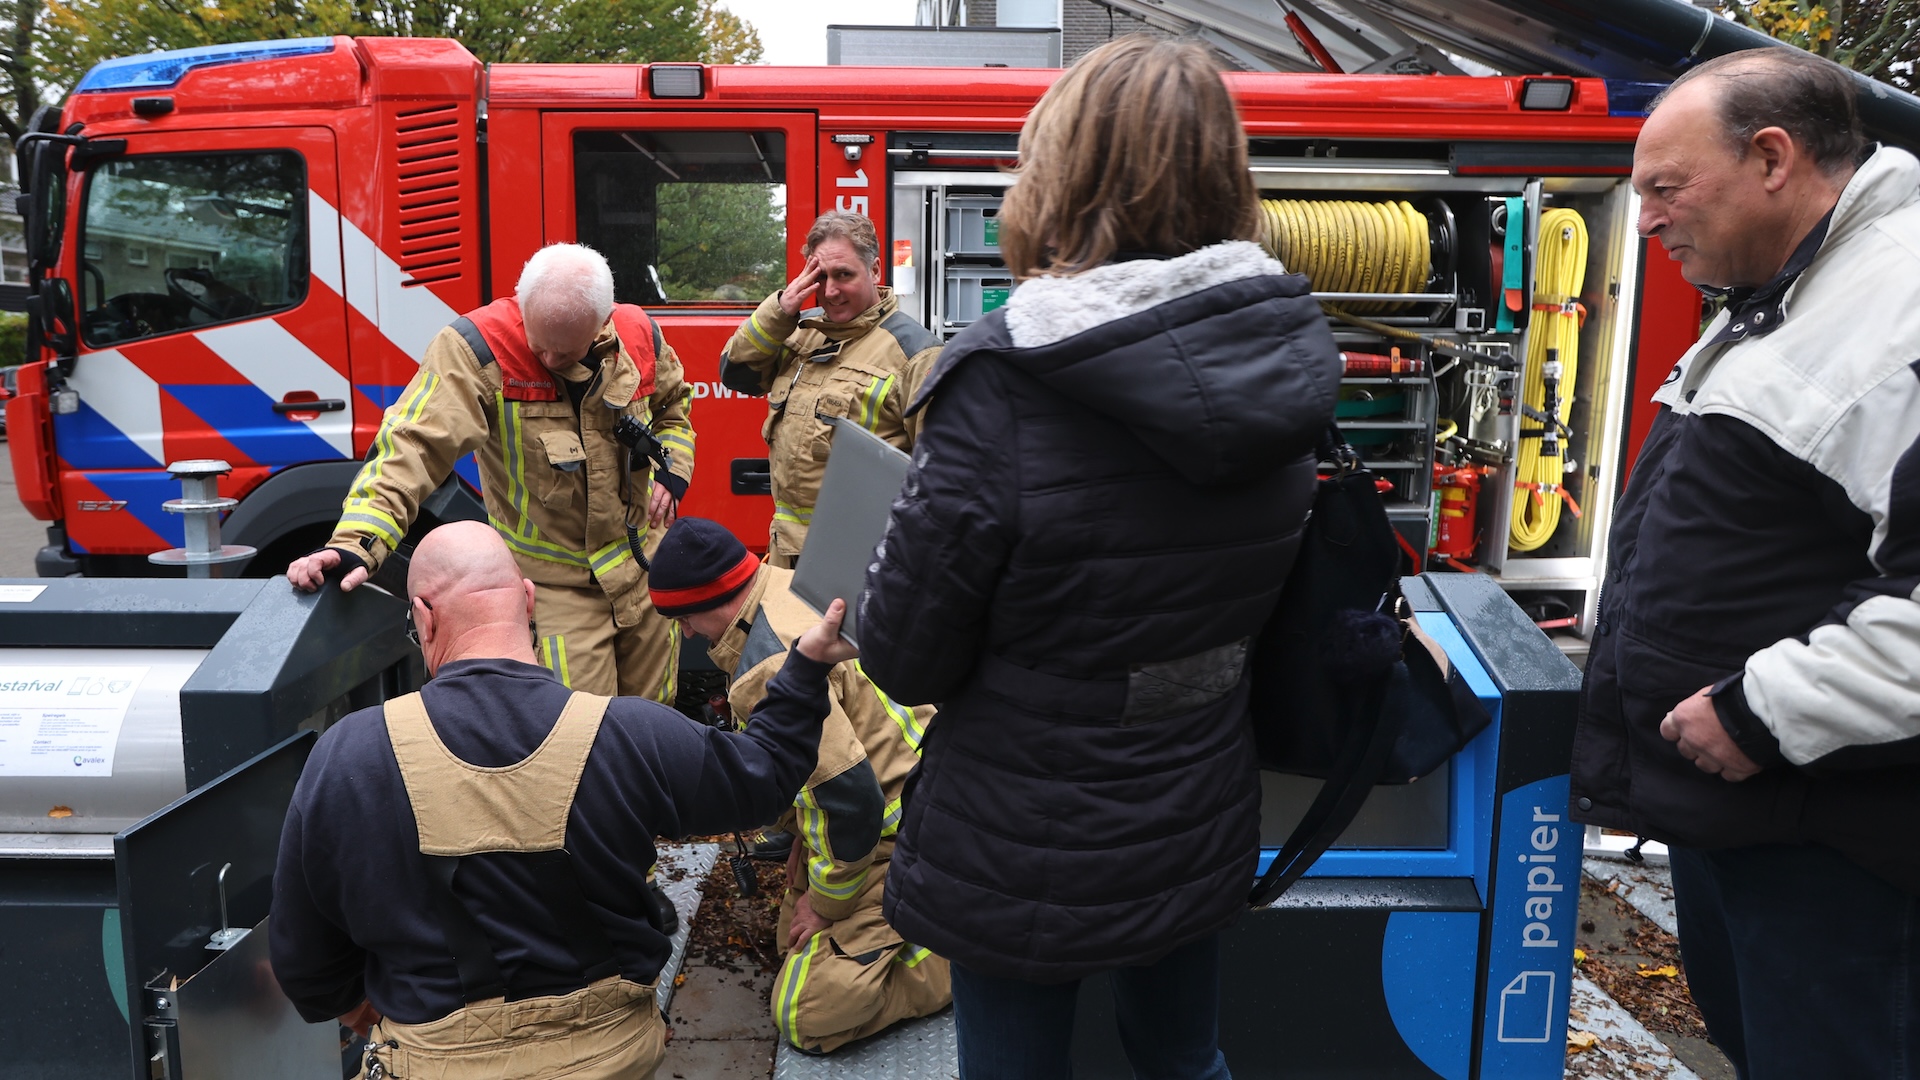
[[1526, 1008]]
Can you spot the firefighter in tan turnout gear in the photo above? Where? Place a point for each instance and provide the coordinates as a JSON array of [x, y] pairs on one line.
[[460, 870], [858, 356], [552, 387], [847, 974]]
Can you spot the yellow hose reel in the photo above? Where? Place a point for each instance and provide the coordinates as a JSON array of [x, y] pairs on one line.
[[1559, 273], [1350, 246]]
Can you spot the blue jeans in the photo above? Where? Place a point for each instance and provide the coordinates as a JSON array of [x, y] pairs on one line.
[[1803, 964], [1168, 1014]]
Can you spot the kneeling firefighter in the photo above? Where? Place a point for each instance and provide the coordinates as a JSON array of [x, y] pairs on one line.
[[847, 974]]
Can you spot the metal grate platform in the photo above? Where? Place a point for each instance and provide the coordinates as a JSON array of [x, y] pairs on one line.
[[682, 869], [923, 1049]]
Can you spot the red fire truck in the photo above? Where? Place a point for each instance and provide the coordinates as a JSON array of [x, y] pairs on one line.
[[241, 252]]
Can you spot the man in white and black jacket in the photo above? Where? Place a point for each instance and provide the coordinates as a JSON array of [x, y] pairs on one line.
[[1753, 694]]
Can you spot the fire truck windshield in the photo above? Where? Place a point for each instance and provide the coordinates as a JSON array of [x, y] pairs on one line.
[[174, 242]]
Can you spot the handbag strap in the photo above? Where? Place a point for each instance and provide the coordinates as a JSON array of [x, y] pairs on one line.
[[1333, 446], [1363, 757], [1371, 736]]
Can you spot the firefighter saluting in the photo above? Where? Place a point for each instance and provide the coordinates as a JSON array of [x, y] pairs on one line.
[[552, 386], [857, 356]]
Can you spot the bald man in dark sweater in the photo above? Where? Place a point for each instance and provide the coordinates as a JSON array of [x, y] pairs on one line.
[[418, 891]]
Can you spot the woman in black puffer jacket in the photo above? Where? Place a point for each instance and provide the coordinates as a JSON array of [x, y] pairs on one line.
[[1105, 500]]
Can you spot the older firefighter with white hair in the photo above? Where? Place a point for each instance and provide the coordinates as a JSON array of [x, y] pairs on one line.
[[552, 389]]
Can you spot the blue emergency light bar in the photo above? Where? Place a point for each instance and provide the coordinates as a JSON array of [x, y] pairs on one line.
[[1626, 98], [163, 69]]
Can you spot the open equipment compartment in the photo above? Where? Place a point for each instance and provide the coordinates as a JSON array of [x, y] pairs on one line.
[[1460, 439], [1436, 393]]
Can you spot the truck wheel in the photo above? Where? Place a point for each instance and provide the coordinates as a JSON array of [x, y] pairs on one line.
[[274, 557]]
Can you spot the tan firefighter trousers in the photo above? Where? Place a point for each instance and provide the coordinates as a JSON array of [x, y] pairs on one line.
[[576, 639], [855, 978]]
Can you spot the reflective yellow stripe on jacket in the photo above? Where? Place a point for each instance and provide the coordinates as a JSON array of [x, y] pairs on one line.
[[871, 401], [613, 554], [362, 507], [909, 723], [760, 339], [514, 456], [676, 441], [524, 537], [813, 825]]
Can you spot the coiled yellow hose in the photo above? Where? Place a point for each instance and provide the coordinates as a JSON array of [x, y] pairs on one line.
[[1559, 273], [1350, 246]]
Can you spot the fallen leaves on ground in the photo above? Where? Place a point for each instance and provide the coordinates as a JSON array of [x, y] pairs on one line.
[[1580, 1040], [735, 933], [1644, 975]]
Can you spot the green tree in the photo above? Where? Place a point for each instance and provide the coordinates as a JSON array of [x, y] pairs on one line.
[[74, 35], [547, 31], [721, 241], [20, 64], [1877, 38], [730, 38]]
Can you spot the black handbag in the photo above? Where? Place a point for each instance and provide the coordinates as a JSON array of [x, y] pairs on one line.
[[1341, 689]]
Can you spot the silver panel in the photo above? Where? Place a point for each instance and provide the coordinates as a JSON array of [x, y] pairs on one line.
[[148, 769], [56, 845], [930, 178], [850, 519], [911, 285], [236, 1024], [934, 46], [682, 869], [922, 1049]]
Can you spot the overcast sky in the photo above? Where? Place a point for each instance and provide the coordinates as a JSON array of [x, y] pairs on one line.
[[795, 31]]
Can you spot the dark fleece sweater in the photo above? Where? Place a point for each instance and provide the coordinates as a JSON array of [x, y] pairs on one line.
[[352, 914]]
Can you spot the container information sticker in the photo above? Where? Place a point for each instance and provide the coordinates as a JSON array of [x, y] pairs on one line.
[[20, 594], [63, 721], [903, 267]]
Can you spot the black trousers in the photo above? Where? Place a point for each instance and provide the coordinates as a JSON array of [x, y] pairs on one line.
[[1804, 965], [1168, 1013]]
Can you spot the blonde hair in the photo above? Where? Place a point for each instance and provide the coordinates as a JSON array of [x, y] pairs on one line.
[[854, 228], [1138, 147]]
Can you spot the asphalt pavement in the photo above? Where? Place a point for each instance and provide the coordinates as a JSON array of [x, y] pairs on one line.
[[20, 533]]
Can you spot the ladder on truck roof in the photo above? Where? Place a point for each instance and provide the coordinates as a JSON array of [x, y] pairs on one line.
[[1649, 41]]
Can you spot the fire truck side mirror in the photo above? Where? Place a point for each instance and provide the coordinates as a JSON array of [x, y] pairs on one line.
[[44, 202], [45, 120], [37, 179]]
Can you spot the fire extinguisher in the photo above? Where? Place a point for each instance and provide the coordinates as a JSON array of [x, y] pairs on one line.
[[1457, 497]]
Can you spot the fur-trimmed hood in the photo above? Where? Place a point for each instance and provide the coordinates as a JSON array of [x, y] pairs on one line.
[[1218, 360], [1044, 310]]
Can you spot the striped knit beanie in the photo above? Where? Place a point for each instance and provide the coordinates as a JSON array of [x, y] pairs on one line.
[[700, 565]]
